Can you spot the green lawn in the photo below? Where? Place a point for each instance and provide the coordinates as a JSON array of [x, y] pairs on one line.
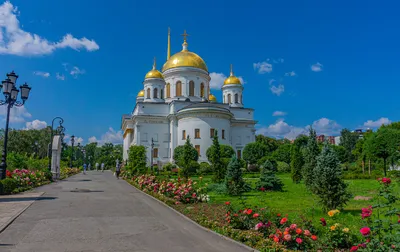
[[296, 201]]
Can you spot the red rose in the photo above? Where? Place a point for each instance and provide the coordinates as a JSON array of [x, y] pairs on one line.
[[255, 215], [314, 237], [299, 240], [283, 220], [279, 215], [249, 211], [365, 231], [227, 203], [354, 248], [299, 231], [276, 239], [386, 181], [366, 212], [323, 221]]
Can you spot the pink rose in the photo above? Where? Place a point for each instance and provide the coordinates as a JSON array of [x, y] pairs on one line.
[[365, 231], [299, 240]]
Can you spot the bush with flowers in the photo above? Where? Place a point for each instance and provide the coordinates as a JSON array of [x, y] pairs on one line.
[[182, 191], [22, 180]]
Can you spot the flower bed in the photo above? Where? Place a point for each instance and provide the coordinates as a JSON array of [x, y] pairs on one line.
[[22, 180], [265, 230]]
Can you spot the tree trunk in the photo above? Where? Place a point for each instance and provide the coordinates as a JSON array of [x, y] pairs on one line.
[[363, 165], [384, 166], [369, 166]]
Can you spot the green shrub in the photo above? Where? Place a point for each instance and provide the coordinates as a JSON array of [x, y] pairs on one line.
[[9, 185], [168, 167], [205, 168], [194, 166], [16, 161], [253, 168], [226, 151], [262, 161], [283, 167], [219, 188], [234, 180], [268, 180]]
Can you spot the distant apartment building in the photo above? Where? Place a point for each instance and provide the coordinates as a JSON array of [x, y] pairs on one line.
[[323, 138]]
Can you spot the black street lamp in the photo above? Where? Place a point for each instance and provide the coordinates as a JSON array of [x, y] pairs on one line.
[[152, 154], [11, 94], [59, 131], [72, 151]]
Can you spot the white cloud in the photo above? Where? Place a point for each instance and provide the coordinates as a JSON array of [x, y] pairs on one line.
[[75, 72], [17, 114], [292, 73], [271, 81], [15, 41], [281, 129], [111, 136], [60, 76], [217, 80], [317, 67], [325, 126], [35, 124], [279, 113], [263, 67], [278, 90], [378, 123], [43, 74]]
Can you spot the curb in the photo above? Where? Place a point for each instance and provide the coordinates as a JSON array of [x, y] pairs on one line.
[[15, 216], [195, 223]]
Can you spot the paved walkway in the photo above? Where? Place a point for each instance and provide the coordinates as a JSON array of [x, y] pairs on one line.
[[97, 212]]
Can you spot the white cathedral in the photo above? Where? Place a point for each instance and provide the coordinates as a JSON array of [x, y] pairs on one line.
[[176, 103]]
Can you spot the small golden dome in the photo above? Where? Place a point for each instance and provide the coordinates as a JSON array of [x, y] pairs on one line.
[[212, 98], [232, 79], [141, 93], [185, 58], [154, 73]]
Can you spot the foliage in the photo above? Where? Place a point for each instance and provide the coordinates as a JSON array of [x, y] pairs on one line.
[[301, 141], [311, 152], [283, 167], [178, 154], [271, 144], [137, 159], [253, 152], [205, 168], [187, 158], [268, 181], [217, 164], [193, 167], [16, 161], [9, 185], [385, 143], [282, 154], [234, 180], [296, 163], [341, 153], [168, 167], [262, 161], [348, 140], [328, 184], [226, 151]]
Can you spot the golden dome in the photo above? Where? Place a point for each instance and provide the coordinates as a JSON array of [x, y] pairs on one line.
[[212, 98], [185, 58], [141, 93], [232, 79], [154, 73]]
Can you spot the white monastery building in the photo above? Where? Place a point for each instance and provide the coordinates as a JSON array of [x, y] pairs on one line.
[[176, 103]]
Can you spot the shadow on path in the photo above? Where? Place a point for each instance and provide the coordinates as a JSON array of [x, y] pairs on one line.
[[26, 199]]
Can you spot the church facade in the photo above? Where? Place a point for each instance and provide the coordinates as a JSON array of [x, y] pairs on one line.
[[176, 103]]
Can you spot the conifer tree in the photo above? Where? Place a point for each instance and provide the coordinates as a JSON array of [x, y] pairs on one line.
[[327, 184], [310, 159], [218, 166], [296, 163], [268, 180], [235, 184], [186, 157]]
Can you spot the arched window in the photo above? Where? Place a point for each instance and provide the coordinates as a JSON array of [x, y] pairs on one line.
[[236, 98], [168, 90], [229, 99], [162, 94], [155, 91], [178, 89], [191, 88], [202, 90], [148, 93]]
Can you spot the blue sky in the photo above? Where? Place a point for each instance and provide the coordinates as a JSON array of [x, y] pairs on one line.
[[328, 64]]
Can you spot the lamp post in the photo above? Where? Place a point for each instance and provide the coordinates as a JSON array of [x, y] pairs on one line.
[[59, 131], [36, 148], [11, 94], [72, 152], [152, 153]]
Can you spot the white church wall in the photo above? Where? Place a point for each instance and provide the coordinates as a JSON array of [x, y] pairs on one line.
[[160, 134], [157, 109], [242, 114], [204, 124], [242, 135]]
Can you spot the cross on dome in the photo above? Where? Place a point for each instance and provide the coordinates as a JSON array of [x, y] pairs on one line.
[[185, 35]]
